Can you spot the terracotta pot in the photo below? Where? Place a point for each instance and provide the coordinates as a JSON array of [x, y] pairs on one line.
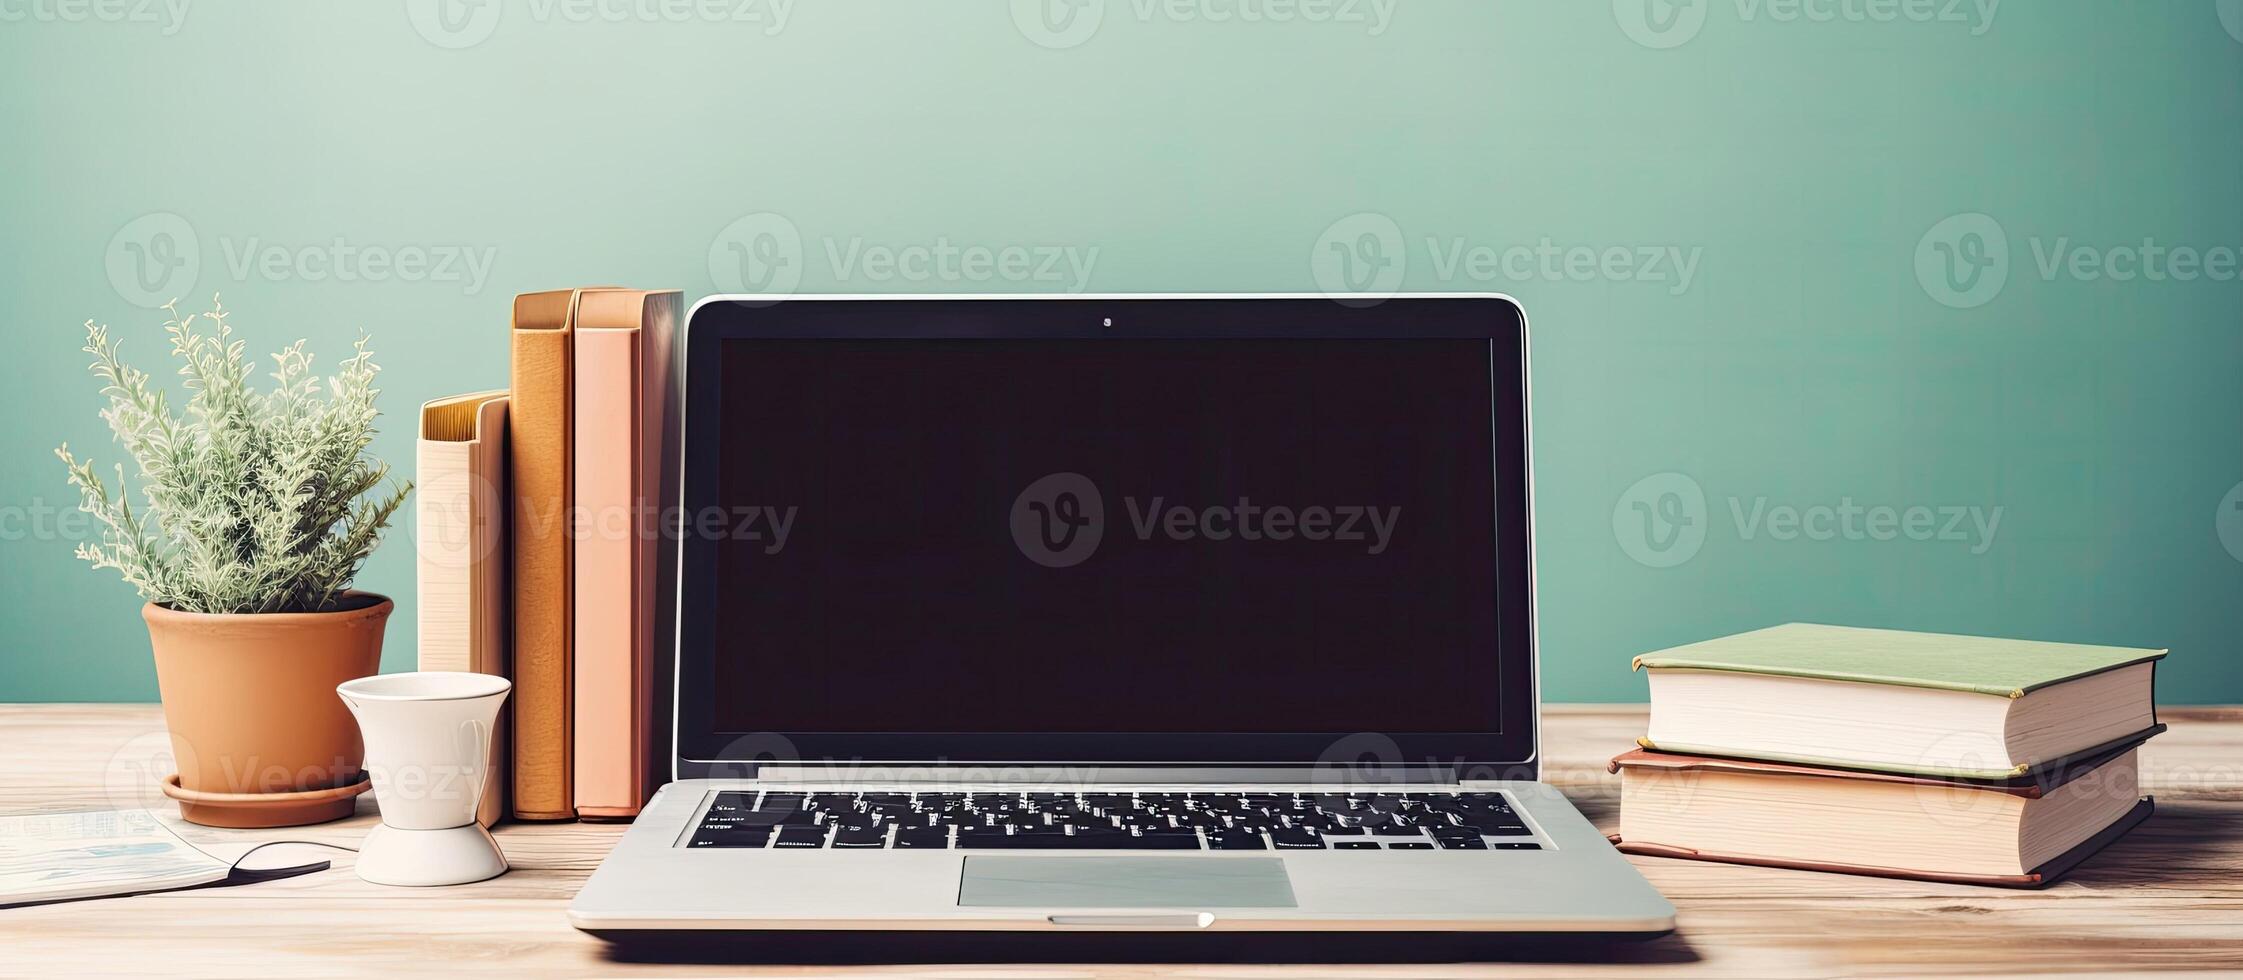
[[259, 735]]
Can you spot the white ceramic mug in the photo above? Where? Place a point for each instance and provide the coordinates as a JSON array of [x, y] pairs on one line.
[[428, 749]]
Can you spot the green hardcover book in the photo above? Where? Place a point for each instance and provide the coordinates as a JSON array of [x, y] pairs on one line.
[[1933, 704]]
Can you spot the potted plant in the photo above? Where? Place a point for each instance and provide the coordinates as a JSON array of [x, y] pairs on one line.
[[259, 508]]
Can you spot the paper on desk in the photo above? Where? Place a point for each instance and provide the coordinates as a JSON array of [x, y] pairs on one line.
[[53, 857]]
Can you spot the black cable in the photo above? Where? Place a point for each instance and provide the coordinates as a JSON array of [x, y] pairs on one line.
[[236, 866]]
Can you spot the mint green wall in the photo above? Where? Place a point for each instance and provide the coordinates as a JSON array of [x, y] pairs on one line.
[[1817, 356]]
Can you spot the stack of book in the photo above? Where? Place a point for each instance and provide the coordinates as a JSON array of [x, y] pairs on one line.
[[542, 546], [1880, 752]]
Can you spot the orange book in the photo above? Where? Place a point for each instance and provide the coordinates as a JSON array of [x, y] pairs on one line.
[[538, 444], [625, 347]]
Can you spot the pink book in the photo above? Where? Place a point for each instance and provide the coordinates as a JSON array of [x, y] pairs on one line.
[[624, 378]]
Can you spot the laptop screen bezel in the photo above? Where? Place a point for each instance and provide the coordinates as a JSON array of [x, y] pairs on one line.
[[700, 750]]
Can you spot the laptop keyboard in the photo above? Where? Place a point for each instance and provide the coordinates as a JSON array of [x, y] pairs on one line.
[[1115, 821]]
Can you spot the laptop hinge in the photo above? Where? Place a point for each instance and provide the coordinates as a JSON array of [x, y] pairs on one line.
[[1090, 774]]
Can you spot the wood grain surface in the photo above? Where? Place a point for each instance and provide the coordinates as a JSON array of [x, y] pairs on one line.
[[2168, 898]]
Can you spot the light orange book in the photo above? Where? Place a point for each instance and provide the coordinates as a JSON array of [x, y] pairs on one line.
[[539, 441], [460, 505], [625, 349]]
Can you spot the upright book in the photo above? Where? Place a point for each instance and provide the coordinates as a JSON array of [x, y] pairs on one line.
[[625, 350], [460, 514], [539, 443], [1971, 707]]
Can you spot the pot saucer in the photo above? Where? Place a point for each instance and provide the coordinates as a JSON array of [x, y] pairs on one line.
[[259, 810]]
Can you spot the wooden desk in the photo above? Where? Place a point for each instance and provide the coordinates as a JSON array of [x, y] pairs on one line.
[[2169, 897]]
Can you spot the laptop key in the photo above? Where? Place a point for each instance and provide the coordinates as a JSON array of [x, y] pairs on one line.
[[1110, 840], [868, 836], [731, 836], [1232, 840], [1012, 842], [1395, 830], [800, 836], [1296, 838], [1517, 845], [922, 838], [1410, 845], [833, 801], [1355, 845], [1460, 842]]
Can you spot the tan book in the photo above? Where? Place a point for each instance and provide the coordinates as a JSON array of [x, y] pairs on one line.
[[539, 442], [2024, 831], [459, 505], [625, 347]]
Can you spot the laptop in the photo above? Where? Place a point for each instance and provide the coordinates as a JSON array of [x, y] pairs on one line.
[[1192, 614]]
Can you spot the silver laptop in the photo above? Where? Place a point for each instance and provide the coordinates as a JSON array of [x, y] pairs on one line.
[[1158, 613]]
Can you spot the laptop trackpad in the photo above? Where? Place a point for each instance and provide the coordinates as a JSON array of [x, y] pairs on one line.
[[1125, 882]]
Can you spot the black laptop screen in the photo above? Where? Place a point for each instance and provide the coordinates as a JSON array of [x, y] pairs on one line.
[[1126, 536]]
